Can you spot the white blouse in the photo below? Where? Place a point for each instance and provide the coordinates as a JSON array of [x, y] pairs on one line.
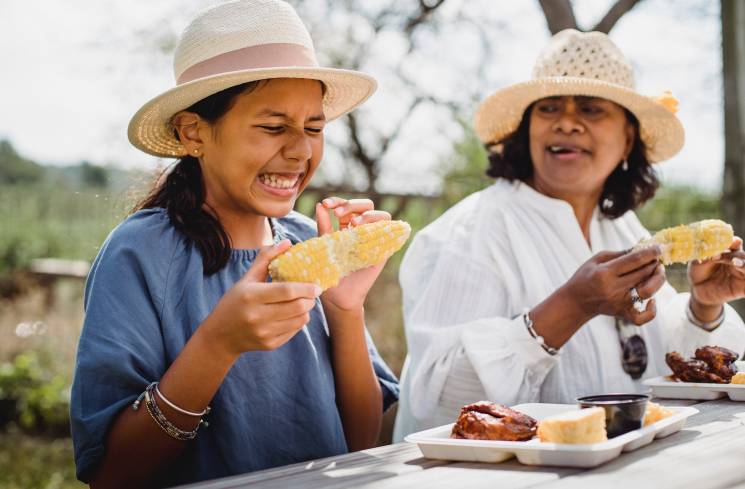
[[468, 276]]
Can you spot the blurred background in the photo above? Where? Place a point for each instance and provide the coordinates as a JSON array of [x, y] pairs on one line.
[[74, 73]]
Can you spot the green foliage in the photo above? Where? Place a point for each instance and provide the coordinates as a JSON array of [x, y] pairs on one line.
[[36, 463], [674, 205], [33, 396], [15, 169]]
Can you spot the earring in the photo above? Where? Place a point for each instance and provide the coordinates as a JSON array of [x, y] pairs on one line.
[[625, 165], [196, 151]]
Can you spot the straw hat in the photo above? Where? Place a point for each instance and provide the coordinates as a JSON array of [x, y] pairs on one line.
[[583, 63], [235, 43]]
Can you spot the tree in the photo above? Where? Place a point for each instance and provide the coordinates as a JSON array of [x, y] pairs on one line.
[[560, 15], [733, 57], [16, 169]]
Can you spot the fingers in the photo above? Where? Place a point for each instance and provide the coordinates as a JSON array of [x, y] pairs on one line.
[[277, 292], [633, 278], [635, 259], [260, 268], [280, 311], [643, 317], [606, 256], [736, 244], [277, 333], [651, 285], [323, 220], [368, 217], [349, 212]]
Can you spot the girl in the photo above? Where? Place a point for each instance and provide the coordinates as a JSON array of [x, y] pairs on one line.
[[182, 328]]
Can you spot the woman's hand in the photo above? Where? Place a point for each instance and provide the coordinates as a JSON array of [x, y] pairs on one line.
[[716, 281], [256, 315], [603, 284], [350, 293]]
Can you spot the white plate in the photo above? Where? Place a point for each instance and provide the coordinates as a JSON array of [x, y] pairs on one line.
[[663, 387], [436, 442]]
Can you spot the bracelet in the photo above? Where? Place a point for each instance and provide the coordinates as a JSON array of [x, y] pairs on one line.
[[529, 326], [175, 407], [154, 411], [710, 326]]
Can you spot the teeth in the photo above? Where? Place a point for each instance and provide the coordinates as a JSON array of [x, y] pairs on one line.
[[276, 181]]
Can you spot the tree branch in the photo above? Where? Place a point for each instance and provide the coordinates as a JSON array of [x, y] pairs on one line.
[[614, 14], [425, 11], [559, 15]]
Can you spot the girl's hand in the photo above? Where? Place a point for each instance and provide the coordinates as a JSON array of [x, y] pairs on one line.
[[603, 284], [256, 315], [350, 293], [718, 280]]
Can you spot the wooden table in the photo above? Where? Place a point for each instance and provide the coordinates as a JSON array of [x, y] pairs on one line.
[[709, 452]]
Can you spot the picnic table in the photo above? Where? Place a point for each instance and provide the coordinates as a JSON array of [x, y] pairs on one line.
[[709, 452]]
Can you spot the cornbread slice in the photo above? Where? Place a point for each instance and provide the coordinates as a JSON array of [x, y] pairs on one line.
[[575, 427], [738, 378], [655, 413]]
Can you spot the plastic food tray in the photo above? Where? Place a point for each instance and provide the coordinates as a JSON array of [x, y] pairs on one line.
[[672, 389], [436, 442]]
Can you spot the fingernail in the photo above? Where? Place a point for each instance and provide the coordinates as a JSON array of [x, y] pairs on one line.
[[738, 262], [328, 201], [317, 290], [357, 219]]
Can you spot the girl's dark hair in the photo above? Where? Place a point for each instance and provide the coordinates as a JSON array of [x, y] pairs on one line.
[[623, 191], [182, 191]]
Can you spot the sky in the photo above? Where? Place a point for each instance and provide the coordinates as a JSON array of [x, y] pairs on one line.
[[74, 72]]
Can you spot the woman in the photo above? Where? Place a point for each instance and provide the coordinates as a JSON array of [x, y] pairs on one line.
[[181, 324], [513, 296]]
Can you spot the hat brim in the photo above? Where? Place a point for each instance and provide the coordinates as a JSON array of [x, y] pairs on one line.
[[150, 128], [500, 113]]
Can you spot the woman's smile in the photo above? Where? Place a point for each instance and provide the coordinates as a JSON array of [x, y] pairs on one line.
[[566, 152]]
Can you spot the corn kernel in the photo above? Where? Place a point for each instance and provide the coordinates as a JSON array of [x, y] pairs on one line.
[[696, 241]]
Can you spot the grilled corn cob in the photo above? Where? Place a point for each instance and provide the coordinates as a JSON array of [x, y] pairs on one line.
[[326, 259], [695, 241]]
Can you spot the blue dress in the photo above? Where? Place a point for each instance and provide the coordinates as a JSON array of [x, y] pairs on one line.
[[145, 296]]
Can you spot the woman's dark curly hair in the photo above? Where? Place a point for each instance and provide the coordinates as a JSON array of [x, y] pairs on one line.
[[623, 191]]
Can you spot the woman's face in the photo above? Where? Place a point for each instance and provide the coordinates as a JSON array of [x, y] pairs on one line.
[[576, 143], [261, 154]]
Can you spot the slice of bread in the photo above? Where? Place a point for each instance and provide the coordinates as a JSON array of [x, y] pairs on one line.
[[575, 427], [655, 412], [738, 378]]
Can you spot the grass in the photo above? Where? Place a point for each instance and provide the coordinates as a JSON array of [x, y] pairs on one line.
[[29, 462]]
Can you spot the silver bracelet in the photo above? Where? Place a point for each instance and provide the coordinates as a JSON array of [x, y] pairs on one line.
[[175, 407], [163, 423], [710, 326], [529, 326]]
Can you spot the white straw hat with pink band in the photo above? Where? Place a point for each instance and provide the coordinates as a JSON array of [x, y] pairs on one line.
[[234, 43], [589, 64]]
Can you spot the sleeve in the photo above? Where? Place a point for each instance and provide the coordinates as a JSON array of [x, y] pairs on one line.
[[455, 306], [121, 347], [684, 337], [386, 378]]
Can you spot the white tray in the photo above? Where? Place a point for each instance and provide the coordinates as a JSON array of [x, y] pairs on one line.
[[663, 387], [436, 442]]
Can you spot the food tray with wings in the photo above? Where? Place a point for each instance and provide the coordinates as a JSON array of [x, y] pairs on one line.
[[437, 443]]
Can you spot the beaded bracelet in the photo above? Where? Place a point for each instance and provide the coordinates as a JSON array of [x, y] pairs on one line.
[[529, 326], [710, 326], [154, 411]]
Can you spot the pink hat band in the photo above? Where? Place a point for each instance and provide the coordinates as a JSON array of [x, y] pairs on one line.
[[262, 56]]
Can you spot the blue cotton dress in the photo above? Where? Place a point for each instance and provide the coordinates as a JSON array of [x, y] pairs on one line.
[[145, 296]]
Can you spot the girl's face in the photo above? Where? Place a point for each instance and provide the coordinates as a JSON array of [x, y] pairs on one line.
[[576, 143], [261, 154]]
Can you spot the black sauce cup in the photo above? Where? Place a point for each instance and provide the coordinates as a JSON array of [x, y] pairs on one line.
[[623, 412]]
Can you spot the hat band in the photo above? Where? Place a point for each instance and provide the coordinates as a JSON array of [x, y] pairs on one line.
[[274, 55]]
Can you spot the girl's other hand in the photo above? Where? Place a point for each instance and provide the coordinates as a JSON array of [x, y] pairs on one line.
[[350, 293]]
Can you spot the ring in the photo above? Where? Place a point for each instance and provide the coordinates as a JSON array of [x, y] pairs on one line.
[[637, 301]]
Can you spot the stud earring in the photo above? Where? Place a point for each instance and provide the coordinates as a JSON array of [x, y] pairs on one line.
[[625, 165], [196, 151]]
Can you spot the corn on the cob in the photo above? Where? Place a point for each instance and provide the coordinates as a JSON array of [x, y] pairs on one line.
[[695, 241], [326, 259]]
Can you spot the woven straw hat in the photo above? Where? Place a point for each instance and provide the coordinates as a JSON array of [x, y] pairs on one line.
[[589, 64], [235, 43]]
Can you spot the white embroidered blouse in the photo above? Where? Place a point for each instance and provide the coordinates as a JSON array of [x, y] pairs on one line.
[[468, 276]]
